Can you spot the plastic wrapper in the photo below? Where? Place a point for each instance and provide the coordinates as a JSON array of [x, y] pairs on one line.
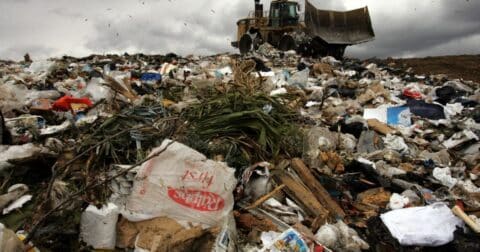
[[290, 240]]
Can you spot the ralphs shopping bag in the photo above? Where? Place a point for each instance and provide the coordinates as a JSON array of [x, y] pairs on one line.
[[183, 184]]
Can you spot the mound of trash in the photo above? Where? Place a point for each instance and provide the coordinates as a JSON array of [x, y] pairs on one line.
[[264, 152]]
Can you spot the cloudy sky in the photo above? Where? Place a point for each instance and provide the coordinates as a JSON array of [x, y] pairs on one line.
[[404, 28]]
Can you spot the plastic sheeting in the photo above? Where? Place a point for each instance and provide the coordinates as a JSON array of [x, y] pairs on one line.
[[422, 226]]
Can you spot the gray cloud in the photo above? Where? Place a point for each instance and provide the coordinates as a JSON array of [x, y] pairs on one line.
[[78, 28], [35, 49], [188, 32], [67, 13], [425, 30]]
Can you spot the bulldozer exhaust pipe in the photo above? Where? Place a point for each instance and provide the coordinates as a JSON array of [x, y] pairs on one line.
[[258, 9]]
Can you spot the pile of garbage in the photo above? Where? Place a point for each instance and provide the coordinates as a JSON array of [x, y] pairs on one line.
[[264, 152]]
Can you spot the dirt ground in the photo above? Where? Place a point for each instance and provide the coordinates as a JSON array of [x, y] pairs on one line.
[[465, 67]]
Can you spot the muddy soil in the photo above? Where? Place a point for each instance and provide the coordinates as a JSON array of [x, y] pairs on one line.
[[465, 67]]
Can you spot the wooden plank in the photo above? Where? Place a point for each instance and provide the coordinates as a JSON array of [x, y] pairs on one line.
[[317, 189], [379, 127], [301, 195]]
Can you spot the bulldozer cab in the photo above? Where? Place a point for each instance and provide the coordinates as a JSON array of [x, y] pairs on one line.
[[283, 13]]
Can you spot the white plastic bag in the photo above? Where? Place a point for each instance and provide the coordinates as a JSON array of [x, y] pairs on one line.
[[422, 226], [98, 91], [41, 66], [444, 175], [398, 201], [300, 78], [98, 226], [223, 72], [183, 184], [12, 96], [396, 143], [279, 79], [340, 237], [278, 91], [17, 152]]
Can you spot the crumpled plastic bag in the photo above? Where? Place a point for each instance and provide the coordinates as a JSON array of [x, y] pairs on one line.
[[398, 201], [299, 79], [453, 109], [12, 97], [8, 153], [340, 237], [280, 79], [431, 226], [98, 91], [444, 175], [41, 66], [396, 143]]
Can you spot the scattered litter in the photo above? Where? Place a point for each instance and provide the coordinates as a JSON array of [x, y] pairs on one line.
[[268, 151]]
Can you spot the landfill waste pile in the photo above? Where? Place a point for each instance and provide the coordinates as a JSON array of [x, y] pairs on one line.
[[262, 152]]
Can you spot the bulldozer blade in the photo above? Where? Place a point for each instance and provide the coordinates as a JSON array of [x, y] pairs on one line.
[[337, 27]]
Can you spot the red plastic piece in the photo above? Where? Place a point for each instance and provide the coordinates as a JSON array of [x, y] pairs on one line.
[[65, 103], [412, 94]]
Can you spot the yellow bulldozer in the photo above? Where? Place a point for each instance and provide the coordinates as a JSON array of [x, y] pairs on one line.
[[316, 33]]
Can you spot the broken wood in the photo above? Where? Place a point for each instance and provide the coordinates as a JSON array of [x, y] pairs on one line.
[[302, 195], [116, 86], [265, 197], [251, 221], [380, 127], [317, 189], [462, 215]]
